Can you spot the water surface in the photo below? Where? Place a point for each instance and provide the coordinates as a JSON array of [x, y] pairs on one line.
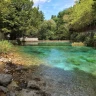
[[62, 55]]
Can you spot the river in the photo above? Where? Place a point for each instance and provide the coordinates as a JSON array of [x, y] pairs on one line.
[[67, 70]]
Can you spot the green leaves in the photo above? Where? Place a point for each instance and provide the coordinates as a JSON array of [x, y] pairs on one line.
[[82, 14], [47, 30], [20, 18], [5, 47]]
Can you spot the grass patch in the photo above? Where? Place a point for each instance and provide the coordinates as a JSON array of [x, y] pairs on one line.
[[5, 46]]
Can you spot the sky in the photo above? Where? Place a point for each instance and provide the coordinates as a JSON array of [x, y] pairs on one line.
[[52, 7]]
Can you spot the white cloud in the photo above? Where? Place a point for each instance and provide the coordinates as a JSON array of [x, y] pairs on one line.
[[40, 1]]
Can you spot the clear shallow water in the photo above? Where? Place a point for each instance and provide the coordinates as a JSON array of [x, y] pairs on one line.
[[64, 56]]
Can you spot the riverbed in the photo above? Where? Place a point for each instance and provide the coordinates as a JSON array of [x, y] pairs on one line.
[[67, 70]]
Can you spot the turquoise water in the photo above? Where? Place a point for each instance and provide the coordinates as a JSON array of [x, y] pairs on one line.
[[64, 56]]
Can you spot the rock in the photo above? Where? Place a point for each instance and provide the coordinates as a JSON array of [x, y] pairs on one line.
[[3, 89], [33, 85], [4, 60], [42, 93], [20, 67], [22, 84], [12, 86], [37, 79], [11, 94], [2, 94], [26, 92], [5, 79]]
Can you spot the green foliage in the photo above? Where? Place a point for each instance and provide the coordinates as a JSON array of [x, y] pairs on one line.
[[87, 38], [47, 30], [19, 17], [1, 36], [5, 46], [82, 18], [95, 37], [62, 29], [73, 36], [80, 37], [89, 41]]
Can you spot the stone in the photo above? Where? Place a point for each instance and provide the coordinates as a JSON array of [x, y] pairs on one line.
[[12, 86], [4, 60], [3, 89], [33, 85], [11, 94], [5, 79], [2, 94], [27, 92], [22, 84]]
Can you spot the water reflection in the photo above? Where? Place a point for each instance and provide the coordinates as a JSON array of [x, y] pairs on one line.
[[29, 43]]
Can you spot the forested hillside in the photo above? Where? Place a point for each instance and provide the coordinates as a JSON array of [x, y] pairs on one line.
[[78, 22], [20, 17]]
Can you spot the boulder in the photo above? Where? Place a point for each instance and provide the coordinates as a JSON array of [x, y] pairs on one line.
[[3, 89], [5, 79]]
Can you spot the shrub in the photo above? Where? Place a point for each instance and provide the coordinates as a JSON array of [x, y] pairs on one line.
[[89, 41], [78, 44], [73, 36], [80, 37], [95, 37], [5, 46]]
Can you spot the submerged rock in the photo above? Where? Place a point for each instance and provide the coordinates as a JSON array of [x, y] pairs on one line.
[[5, 79]]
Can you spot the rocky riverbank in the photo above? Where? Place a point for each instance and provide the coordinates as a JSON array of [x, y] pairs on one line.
[[21, 80], [14, 81], [14, 77]]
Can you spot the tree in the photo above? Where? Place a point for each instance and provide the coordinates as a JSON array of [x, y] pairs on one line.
[[47, 30], [4, 11], [19, 17], [81, 18]]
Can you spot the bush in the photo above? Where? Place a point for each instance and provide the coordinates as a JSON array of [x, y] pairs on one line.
[[89, 41], [80, 37], [78, 44], [95, 37], [73, 36], [5, 46]]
